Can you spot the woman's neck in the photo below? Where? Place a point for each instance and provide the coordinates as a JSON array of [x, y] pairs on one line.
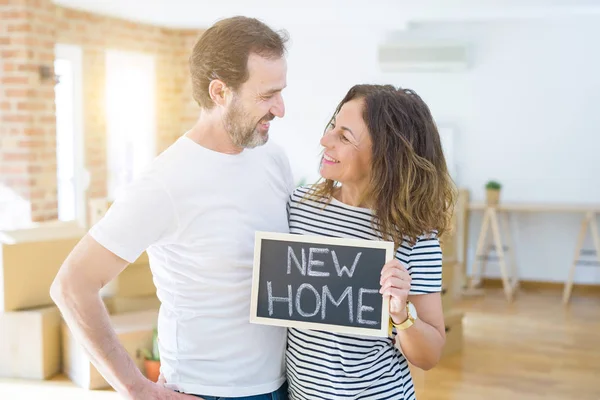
[[350, 195]]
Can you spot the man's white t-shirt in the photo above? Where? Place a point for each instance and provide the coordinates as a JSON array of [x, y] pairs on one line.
[[196, 212]]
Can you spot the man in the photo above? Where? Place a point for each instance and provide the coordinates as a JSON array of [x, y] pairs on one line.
[[196, 210]]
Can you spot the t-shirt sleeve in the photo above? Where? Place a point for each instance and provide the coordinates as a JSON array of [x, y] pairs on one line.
[[425, 266], [142, 216]]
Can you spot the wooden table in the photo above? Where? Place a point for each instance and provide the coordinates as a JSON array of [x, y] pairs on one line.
[[508, 267]]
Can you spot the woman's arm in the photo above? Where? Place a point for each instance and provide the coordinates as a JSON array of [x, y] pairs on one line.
[[422, 343]]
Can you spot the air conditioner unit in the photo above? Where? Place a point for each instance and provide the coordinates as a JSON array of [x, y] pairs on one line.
[[407, 56]]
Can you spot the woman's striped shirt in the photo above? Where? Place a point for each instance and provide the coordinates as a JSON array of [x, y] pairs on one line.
[[322, 365]]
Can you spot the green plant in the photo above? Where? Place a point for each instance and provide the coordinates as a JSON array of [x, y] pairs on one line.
[[154, 354], [493, 185]]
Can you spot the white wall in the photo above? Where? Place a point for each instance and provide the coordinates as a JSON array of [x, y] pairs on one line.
[[527, 113]]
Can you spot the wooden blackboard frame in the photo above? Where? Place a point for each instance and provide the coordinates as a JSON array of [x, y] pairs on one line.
[[382, 331]]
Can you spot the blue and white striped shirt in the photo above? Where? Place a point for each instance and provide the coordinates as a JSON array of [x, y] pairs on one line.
[[322, 365]]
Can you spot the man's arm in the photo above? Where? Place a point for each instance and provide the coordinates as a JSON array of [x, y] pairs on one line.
[[76, 292]]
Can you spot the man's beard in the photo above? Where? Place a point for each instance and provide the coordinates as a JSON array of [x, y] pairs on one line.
[[243, 132]]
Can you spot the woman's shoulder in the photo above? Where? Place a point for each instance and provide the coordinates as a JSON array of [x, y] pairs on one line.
[[424, 240], [425, 243], [306, 192]]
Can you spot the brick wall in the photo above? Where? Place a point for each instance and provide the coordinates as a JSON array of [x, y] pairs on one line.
[[28, 31], [27, 122]]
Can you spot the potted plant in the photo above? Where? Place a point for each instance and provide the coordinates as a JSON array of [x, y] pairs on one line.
[[492, 192], [152, 359]]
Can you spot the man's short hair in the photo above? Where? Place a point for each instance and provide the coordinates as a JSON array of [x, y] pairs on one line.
[[222, 53]]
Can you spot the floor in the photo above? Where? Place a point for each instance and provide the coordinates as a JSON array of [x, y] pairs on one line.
[[532, 349]]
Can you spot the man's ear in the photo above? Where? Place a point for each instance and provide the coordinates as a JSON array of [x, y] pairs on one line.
[[218, 91]]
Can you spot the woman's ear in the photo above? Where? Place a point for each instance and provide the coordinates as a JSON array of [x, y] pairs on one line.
[[218, 91]]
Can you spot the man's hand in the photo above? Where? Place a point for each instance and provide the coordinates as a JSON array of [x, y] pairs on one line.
[[157, 391]]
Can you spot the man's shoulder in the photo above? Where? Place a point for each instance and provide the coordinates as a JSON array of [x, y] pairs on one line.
[[275, 151], [174, 161]]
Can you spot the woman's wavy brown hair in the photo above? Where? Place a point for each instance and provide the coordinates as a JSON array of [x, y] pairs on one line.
[[410, 189]]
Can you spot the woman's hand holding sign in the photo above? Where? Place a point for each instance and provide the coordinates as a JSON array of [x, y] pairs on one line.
[[395, 282], [422, 342]]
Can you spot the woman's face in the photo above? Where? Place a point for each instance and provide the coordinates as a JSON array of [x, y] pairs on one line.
[[347, 143]]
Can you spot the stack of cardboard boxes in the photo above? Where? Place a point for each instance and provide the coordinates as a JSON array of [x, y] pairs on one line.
[[453, 257], [34, 340]]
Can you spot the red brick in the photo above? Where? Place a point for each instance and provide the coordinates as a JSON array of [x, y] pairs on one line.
[[38, 194], [62, 26], [51, 206], [9, 67], [34, 169], [25, 41], [27, 67], [12, 14], [44, 30], [34, 132], [17, 118], [19, 28], [47, 19], [42, 216], [28, 106], [5, 106], [31, 143], [47, 119], [15, 182], [19, 93], [14, 53], [14, 80], [13, 168]]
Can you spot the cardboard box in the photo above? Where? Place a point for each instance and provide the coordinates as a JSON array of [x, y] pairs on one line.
[[450, 287], [454, 333], [30, 344], [120, 305], [134, 330], [453, 242], [447, 300], [449, 245], [29, 261]]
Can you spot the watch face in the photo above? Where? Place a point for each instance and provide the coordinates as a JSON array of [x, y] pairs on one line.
[[412, 310]]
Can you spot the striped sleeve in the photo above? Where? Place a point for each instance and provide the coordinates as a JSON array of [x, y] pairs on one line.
[[425, 266]]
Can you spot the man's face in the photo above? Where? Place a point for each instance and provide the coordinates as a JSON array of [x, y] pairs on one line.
[[257, 102]]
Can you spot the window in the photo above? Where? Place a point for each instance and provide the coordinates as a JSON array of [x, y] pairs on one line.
[[131, 116], [71, 174]]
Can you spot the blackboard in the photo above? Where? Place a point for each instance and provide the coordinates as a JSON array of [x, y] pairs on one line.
[[321, 283]]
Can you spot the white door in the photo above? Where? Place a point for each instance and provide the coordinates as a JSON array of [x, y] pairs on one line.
[[73, 178]]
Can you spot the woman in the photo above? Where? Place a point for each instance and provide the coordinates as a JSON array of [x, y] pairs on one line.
[[384, 178]]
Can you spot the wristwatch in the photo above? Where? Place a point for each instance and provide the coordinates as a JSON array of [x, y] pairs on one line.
[[410, 320]]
